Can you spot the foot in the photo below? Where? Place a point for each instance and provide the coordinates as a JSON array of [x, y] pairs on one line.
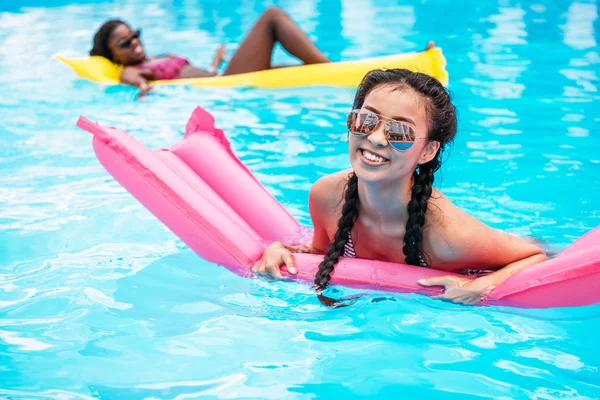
[[430, 45]]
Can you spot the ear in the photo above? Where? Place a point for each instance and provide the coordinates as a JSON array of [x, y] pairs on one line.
[[429, 151]]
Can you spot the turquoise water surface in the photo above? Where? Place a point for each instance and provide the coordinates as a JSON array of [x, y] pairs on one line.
[[98, 299]]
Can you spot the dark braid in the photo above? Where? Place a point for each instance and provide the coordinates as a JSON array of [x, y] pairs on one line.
[[345, 225], [417, 209], [442, 122], [101, 38]]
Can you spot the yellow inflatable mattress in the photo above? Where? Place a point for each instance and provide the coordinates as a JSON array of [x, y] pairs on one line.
[[343, 74]]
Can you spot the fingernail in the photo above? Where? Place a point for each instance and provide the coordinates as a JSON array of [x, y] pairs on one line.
[[421, 281], [293, 270]]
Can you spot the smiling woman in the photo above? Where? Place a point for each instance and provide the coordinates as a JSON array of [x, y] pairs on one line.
[[117, 42], [399, 126]]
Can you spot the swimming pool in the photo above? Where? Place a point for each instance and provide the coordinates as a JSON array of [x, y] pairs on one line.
[[98, 299]]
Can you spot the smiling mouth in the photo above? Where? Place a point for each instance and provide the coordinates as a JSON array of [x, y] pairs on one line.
[[372, 158]]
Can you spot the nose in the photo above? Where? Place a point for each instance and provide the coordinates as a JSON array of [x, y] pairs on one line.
[[377, 137]]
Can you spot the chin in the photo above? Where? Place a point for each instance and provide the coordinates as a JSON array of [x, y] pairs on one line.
[[372, 175]]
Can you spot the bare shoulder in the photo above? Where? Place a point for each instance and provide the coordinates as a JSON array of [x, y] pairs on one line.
[[453, 237], [443, 224], [325, 202], [440, 211], [327, 192]]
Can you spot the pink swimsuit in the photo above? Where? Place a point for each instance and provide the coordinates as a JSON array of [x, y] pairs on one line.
[[166, 69]]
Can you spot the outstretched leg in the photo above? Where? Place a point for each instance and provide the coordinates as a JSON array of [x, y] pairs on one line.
[[274, 25]]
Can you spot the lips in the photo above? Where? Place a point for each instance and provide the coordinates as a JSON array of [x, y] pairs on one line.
[[373, 159]]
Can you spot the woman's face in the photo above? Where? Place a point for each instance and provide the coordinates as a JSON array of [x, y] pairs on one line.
[[126, 46], [371, 157]]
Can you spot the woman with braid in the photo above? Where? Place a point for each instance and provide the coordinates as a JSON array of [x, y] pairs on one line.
[[386, 208]]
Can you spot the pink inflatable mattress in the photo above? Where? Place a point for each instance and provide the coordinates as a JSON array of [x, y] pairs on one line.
[[202, 192]]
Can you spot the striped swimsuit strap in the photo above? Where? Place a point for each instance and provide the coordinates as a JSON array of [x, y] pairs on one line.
[[349, 252], [349, 248]]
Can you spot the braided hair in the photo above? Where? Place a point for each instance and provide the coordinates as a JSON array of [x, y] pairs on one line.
[[101, 38], [345, 225], [442, 123]]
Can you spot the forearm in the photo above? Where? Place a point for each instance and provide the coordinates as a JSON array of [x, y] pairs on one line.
[[195, 72], [497, 277], [215, 64]]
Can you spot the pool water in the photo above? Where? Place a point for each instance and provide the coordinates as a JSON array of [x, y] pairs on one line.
[[98, 299]]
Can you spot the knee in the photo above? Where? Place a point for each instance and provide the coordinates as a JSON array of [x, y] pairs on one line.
[[273, 13]]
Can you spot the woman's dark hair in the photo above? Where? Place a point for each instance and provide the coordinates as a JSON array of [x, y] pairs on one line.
[[100, 47], [441, 116]]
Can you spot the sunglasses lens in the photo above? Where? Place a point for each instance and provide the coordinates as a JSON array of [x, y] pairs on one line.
[[361, 123], [399, 132], [123, 44], [402, 146], [400, 135]]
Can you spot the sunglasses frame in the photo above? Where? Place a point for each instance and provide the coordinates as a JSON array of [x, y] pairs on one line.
[[386, 130], [126, 43]]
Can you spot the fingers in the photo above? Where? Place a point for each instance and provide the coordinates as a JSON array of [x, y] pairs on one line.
[[144, 88], [288, 259], [221, 53], [437, 281], [273, 269], [488, 290], [301, 248], [459, 297], [267, 267], [257, 267]]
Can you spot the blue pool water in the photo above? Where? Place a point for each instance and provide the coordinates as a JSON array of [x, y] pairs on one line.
[[98, 299]]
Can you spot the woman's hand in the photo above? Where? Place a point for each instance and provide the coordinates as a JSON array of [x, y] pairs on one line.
[[139, 78], [461, 290], [275, 256], [220, 56]]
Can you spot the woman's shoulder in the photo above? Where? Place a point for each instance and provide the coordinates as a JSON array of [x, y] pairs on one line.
[[327, 192], [440, 208], [437, 243]]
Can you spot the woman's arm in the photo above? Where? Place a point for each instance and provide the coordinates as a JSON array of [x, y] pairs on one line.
[[137, 77], [218, 59], [278, 254], [474, 245], [189, 71]]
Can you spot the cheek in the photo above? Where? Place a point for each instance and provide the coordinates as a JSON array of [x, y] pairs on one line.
[[353, 142], [120, 56], [353, 145], [117, 56], [412, 157], [406, 160]]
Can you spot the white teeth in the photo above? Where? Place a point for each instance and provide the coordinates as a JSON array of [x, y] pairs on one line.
[[372, 157]]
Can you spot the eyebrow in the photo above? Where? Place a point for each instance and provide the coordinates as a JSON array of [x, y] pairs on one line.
[[399, 118]]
